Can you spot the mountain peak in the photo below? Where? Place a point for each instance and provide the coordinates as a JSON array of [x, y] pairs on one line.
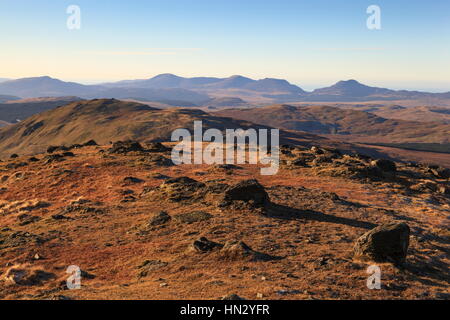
[[166, 76], [350, 82]]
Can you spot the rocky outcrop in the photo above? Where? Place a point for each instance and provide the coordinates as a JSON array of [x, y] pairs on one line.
[[385, 243], [247, 193]]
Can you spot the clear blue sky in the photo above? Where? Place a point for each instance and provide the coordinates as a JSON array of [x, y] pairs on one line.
[[310, 43]]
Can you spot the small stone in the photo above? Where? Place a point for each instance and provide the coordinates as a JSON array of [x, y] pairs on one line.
[[232, 297], [160, 219]]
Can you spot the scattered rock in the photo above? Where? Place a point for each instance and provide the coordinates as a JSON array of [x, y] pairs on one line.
[[68, 154], [287, 292], [249, 193], [239, 250], [90, 143], [37, 256], [149, 266], [160, 219], [56, 157], [181, 189], [385, 165], [59, 217], [132, 180], [157, 147], [385, 243], [191, 217], [441, 173], [124, 147], [26, 219], [52, 149], [157, 160], [232, 297], [204, 245], [24, 275]]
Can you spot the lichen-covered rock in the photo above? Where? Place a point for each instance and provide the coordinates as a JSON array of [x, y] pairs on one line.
[[385, 243]]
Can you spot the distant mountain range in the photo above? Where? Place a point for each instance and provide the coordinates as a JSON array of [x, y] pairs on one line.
[[207, 83], [18, 110], [5, 98], [175, 90]]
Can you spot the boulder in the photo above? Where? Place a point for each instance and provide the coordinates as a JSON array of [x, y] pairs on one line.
[[25, 275], [249, 192], [385, 243], [52, 149], [239, 250], [123, 147], [181, 189], [317, 150], [160, 219], [204, 245], [384, 165], [90, 143], [157, 147]]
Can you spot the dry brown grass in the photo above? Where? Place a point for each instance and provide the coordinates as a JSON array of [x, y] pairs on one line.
[[311, 232]]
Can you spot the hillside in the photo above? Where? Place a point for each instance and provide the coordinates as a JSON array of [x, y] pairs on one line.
[[420, 114], [108, 120], [353, 125], [140, 228]]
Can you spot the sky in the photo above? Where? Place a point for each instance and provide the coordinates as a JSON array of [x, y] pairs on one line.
[[309, 43]]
